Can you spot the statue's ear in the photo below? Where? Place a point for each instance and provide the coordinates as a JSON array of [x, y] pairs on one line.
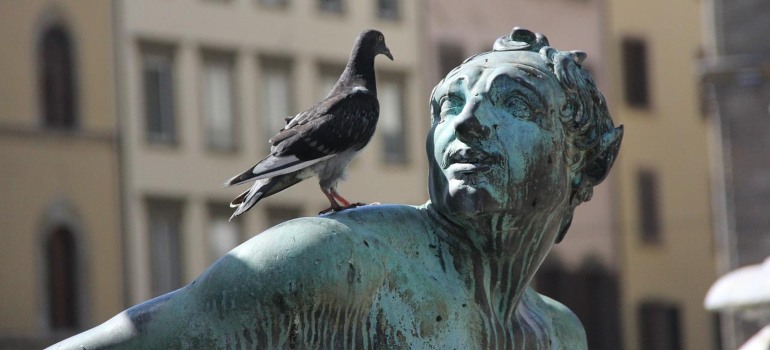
[[566, 221], [594, 172], [596, 169]]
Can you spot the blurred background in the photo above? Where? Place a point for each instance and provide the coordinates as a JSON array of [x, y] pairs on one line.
[[120, 120]]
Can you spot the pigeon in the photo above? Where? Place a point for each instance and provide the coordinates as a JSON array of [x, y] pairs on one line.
[[322, 140]]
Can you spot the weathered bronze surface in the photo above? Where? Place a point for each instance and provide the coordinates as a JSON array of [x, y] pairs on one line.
[[519, 137]]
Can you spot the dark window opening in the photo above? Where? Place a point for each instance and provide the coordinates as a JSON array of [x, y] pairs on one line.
[[62, 280], [57, 79], [158, 83], [635, 72], [331, 6], [649, 216], [388, 9], [393, 119], [659, 326], [165, 226], [591, 292]]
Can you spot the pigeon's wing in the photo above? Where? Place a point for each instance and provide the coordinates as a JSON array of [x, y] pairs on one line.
[[273, 166], [315, 113], [340, 122]]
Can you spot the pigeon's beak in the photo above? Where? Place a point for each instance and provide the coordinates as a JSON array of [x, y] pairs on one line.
[[386, 51]]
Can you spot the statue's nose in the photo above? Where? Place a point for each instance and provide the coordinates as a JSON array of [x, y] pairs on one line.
[[468, 126]]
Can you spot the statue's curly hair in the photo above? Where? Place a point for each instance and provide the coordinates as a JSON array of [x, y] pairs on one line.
[[593, 139]]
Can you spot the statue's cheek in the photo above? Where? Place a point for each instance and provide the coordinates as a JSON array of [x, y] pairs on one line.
[[537, 170]]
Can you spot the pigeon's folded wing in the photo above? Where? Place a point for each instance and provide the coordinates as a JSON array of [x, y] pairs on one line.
[[338, 124]]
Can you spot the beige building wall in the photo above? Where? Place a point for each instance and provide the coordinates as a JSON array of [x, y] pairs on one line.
[[248, 31], [668, 139], [55, 178]]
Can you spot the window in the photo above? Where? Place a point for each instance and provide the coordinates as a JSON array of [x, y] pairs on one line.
[[219, 101], [591, 292], [659, 326], [158, 83], [274, 3], [649, 217], [449, 56], [223, 234], [635, 72], [276, 95], [387, 9], [277, 215], [57, 79], [392, 120], [165, 246], [331, 6], [62, 275]]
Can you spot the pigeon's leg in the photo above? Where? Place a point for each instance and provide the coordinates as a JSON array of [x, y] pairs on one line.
[[338, 203], [345, 203], [342, 201], [332, 200]]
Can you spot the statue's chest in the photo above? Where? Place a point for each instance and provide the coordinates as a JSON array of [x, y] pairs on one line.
[[431, 313]]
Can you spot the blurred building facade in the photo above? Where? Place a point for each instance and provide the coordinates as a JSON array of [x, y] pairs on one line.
[[736, 84], [663, 192], [582, 271], [60, 257], [169, 99], [204, 83]]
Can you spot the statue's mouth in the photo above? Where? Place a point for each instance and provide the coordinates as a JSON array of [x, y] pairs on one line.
[[470, 165], [470, 158]]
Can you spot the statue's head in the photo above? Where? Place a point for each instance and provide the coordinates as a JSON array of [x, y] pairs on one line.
[[519, 130]]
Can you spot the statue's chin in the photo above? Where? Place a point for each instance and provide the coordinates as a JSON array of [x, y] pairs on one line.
[[470, 202]]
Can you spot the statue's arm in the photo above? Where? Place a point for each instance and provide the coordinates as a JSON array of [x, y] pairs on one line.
[[566, 331], [252, 296]]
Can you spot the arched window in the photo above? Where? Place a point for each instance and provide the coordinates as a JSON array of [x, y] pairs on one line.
[[62, 279], [57, 78]]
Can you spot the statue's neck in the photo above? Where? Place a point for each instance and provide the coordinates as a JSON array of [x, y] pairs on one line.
[[501, 252]]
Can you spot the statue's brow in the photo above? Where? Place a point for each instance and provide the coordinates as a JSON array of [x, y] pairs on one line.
[[457, 86], [525, 84]]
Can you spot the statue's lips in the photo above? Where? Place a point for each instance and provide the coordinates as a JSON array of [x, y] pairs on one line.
[[469, 161], [469, 168]]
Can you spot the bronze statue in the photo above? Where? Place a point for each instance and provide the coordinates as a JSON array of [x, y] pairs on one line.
[[519, 137]]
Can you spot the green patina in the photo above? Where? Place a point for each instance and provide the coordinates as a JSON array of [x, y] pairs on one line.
[[519, 137]]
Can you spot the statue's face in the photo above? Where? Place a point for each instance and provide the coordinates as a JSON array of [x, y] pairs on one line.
[[496, 142]]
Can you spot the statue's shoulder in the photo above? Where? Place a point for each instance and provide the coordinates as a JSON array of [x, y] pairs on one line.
[[373, 221], [563, 326], [322, 251]]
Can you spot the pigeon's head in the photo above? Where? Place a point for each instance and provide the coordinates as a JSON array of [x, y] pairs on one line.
[[373, 39]]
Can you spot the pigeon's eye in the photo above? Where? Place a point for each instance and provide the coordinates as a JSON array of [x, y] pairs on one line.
[[450, 105], [380, 38]]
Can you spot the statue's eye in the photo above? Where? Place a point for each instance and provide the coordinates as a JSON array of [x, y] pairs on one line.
[[518, 107], [450, 105]]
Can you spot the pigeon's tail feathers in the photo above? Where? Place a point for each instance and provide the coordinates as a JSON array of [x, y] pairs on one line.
[[248, 199], [281, 165], [264, 188], [239, 200], [270, 167], [243, 177]]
